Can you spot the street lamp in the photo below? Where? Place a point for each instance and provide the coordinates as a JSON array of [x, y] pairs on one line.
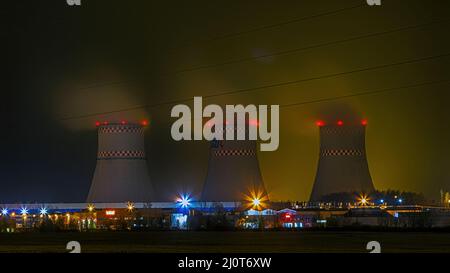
[[5, 211], [363, 199], [43, 211], [130, 206], [256, 202], [90, 207], [184, 201], [24, 211], [256, 199]]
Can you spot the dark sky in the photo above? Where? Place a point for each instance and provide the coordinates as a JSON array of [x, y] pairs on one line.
[[68, 65]]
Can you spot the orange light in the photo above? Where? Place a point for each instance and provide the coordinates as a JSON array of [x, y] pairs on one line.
[[130, 206], [90, 207], [144, 123], [363, 199], [256, 199]]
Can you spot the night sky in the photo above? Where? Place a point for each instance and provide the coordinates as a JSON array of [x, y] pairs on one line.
[[71, 66]]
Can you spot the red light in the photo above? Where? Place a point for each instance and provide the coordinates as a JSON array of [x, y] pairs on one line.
[[97, 123], [340, 123], [320, 123], [364, 122], [144, 123], [253, 122], [105, 123], [123, 122]]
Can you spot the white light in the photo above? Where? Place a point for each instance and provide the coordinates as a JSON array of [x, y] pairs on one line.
[[43, 211], [24, 211], [5, 211], [256, 202], [184, 201]]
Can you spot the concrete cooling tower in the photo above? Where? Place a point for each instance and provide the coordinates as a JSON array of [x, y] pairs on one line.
[[121, 173], [342, 160], [233, 171]]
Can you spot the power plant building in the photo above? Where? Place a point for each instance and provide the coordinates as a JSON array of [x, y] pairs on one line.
[[121, 173], [233, 170], [342, 163]]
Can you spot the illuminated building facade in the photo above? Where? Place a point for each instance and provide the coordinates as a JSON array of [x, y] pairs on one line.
[[342, 163]]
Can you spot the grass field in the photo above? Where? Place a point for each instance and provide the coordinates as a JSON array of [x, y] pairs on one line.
[[190, 241]]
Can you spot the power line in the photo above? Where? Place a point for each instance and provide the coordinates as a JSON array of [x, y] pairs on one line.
[[358, 94], [279, 53], [366, 93], [236, 34], [96, 85], [265, 27], [246, 90], [295, 50]]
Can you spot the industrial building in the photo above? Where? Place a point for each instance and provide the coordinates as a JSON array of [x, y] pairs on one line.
[[187, 215], [233, 169], [121, 173], [342, 165], [121, 196]]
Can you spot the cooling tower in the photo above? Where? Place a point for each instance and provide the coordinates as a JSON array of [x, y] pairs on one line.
[[233, 171], [121, 173], [342, 160]]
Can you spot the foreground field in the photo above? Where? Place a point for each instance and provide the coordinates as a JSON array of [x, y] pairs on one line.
[[269, 242]]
